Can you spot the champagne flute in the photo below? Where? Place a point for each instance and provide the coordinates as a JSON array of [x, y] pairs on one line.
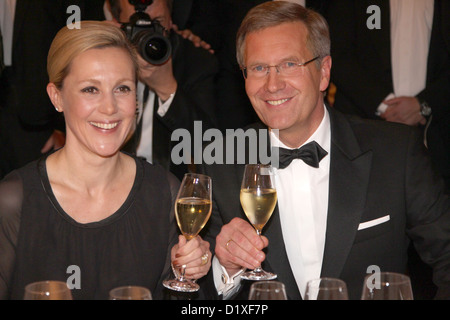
[[326, 289], [387, 286], [192, 211], [130, 293], [267, 290], [47, 290], [258, 199]]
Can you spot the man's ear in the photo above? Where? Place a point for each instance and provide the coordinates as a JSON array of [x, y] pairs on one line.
[[55, 96], [325, 70]]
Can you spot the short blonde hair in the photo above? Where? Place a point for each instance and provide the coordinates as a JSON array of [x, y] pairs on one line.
[[274, 13], [69, 43]]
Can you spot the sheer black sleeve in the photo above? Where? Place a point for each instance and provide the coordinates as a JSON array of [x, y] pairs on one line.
[[11, 197]]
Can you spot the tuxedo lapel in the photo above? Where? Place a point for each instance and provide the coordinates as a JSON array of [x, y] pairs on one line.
[[277, 259], [349, 177]]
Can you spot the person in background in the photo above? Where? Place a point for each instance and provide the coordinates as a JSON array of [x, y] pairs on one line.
[[198, 20], [393, 64], [88, 204], [172, 95], [369, 192], [29, 125]]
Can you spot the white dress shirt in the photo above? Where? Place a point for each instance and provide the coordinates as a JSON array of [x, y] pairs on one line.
[[303, 205], [146, 113], [7, 12], [411, 22]]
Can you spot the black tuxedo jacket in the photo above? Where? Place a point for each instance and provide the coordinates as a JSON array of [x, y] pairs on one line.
[[362, 69], [377, 169]]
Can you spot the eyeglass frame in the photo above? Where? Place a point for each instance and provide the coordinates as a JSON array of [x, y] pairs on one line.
[[244, 69]]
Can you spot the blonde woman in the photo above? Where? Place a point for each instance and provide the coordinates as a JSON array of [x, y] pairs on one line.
[[88, 204]]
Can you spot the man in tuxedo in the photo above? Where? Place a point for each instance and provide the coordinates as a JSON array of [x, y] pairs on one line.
[[171, 95], [231, 97], [397, 71], [368, 192]]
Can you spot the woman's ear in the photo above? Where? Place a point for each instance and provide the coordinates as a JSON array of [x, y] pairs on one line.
[[55, 96]]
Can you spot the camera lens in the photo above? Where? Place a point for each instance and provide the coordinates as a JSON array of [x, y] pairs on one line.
[[153, 47], [156, 49]]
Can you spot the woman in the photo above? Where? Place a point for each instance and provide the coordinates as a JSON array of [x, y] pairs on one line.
[[88, 204]]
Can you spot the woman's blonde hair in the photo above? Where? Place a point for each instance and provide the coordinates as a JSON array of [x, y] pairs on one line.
[[273, 13], [69, 43]]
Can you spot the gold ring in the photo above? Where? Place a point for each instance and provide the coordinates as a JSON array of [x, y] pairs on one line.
[[204, 259], [228, 242]]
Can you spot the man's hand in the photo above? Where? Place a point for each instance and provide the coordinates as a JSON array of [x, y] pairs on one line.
[[238, 245], [159, 78], [405, 110], [196, 40]]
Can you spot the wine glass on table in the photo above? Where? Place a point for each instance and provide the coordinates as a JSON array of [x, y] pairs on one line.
[[47, 290], [130, 293], [326, 289], [267, 290], [258, 199], [387, 286], [192, 211]]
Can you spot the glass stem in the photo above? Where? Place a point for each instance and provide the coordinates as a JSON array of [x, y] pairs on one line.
[[183, 269], [258, 269]]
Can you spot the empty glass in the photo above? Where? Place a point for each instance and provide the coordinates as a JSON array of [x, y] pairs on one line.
[[387, 286], [130, 293], [326, 289], [47, 290], [267, 290]]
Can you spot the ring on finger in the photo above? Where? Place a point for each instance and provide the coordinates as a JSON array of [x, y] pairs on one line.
[[205, 259], [228, 242]]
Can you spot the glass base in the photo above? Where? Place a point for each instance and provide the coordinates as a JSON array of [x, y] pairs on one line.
[[258, 275], [181, 285]]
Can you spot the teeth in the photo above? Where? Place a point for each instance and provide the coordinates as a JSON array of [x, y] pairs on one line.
[[276, 102], [106, 126]]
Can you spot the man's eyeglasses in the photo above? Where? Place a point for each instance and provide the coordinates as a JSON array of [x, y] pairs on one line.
[[288, 68]]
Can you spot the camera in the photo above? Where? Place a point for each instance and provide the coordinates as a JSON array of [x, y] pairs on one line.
[[147, 35]]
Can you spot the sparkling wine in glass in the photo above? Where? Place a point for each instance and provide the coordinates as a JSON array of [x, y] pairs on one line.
[[267, 290], [326, 289], [47, 290], [387, 286], [192, 211], [130, 293], [258, 199]]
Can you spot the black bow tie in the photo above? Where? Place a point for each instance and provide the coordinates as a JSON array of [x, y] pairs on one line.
[[311, 153]]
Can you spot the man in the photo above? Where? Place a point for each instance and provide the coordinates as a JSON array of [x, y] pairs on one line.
[[231, 93], [171, 95], [370, 193], [397, 71]]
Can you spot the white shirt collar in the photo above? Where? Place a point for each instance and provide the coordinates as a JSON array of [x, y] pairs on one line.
[[322, 135]]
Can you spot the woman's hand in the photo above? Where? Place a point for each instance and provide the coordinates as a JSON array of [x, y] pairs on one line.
[[194, 254]]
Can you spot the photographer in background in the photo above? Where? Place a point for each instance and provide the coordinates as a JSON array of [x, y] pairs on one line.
[[171, 95]]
